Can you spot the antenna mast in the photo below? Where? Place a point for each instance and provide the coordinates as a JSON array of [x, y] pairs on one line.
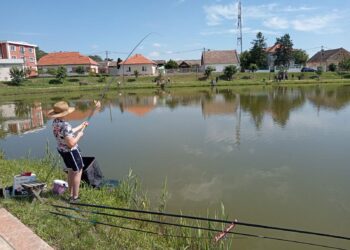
[[239, 27]]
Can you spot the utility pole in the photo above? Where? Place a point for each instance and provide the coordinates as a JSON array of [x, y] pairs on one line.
[[107, 62], [239, 28]]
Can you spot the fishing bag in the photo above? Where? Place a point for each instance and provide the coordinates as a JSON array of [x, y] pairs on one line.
[[92, 173]]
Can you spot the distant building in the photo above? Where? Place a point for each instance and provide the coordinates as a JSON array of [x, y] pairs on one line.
[[160, 63], [69, 60], [189, 64], [324, 58], [271, 51], [6, 65], [219, 59], [20, 50], [140, 63]]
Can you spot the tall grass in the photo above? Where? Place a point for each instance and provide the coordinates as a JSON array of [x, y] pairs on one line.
[[63, 233]]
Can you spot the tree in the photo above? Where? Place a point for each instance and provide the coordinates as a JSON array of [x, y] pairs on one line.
[[344, 65], [39, 53], [300, 56], [258, 53], [80, 70], [96, 58], [284, 51], [51, 71], [171, 64], [332, 67], [253, 67], [17, 75], [229, 71], [61, 73], [245, 60], [208, 71], [136, 73]]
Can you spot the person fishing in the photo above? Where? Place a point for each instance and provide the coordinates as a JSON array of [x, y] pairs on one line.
[[67, 139]]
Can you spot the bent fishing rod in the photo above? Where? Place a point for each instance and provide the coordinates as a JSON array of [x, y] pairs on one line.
[[246, 224], [103, 93], [177, 225]]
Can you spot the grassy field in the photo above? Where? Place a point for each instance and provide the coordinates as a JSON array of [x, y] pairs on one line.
[[65, 233], [72, 84]]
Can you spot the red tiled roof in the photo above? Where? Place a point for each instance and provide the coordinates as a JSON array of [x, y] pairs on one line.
[[220, 57], [138, 59], [65, 58], [326, 54], [273, 48]]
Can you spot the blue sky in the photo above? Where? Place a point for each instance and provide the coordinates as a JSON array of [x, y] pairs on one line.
[[181, 28]]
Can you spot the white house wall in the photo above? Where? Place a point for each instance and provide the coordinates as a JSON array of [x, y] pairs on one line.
[[220, 67], [150, 70]]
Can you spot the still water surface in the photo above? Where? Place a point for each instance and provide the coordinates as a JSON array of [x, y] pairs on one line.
[[275, 156]]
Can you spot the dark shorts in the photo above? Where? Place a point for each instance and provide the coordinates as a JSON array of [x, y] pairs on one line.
[[73, 159]]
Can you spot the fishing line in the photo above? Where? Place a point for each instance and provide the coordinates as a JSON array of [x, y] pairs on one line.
[[216, 220], [195, 227]]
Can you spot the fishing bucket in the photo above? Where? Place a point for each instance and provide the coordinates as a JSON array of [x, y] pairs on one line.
[[92, 173], [59, 187]]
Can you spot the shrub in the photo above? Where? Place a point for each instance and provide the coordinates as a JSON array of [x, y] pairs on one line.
[[131, 80], [229, 71], [346, 76], [51, 71], [17, 75], [101, 78], [61, 73], [332, 67], [55, 81], [208, 71]]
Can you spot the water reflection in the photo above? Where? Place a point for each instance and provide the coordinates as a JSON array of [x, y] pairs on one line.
[[278, 103], [20, 118]]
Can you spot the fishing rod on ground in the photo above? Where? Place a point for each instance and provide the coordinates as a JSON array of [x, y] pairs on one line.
[[216, 220], [185, 226]]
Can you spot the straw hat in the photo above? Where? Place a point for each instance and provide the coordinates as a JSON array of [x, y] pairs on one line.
[[60, 109]]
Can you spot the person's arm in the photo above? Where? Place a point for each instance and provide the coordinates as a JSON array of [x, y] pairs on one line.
[[72, 141], [80, 127]]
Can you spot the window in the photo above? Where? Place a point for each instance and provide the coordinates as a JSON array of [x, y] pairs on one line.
[[129, 69], [13, 57], [30, 50], [31, 59], [22, 49], [13, 48], [144, 68]]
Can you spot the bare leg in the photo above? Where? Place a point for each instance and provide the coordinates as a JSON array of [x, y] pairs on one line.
[[76, 177], [70, 182]]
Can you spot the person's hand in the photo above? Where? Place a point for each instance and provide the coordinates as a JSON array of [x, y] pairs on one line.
[[97, 103], [85, 124]]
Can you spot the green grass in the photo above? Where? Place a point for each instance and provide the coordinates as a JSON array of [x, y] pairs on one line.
[[64, 233], [71, 84]]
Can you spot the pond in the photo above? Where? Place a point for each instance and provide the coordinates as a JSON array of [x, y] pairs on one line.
[[276, 156]]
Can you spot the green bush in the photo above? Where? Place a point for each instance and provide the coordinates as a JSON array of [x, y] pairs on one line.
[[55, 81], [346, 76], [17, 75]]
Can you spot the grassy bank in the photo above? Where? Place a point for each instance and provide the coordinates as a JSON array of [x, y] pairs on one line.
[[72, 84], [64, 233]]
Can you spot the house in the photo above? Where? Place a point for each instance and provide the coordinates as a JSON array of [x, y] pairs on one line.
[[20, 50], [103, 66], [189, 64], [324, 58], [6, 65], [271, 51], [69, 60], [160, 63], [140, 63], [219, 59]]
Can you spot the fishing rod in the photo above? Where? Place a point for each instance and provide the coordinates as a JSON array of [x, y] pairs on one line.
[[103, 93], [95, 222], [216, 220], [196, 227]]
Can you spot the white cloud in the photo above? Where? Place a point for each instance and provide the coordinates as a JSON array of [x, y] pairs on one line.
[[276, 23], [154, 54], [315, 23], [157, 45], [276, 16]]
